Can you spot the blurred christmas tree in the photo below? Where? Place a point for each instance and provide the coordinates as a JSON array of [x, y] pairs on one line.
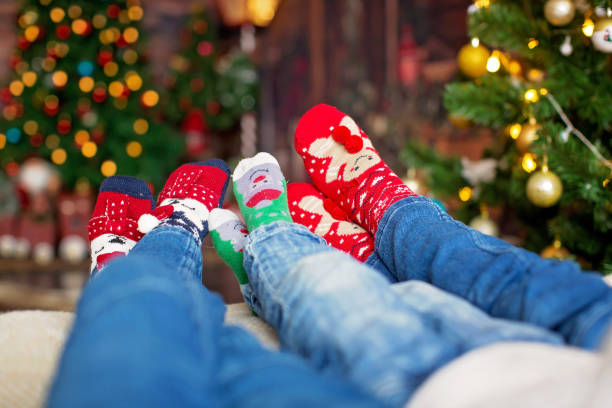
[[208, 90], [80, 96], [545, 83]]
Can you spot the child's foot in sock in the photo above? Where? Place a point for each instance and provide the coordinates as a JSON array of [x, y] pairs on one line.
[[344, 166], [113, 227], [261, 191], [229, 235], [324, 218], [189, 195]]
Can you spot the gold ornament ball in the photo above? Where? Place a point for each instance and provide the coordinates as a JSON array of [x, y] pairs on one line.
[[473, 60], [602, 36], [485, 225], [528, 134], [559, 12], [555, 251], [544, 188], [459, 121]]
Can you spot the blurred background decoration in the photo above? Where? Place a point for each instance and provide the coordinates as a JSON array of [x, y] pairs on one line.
[[499, 110]]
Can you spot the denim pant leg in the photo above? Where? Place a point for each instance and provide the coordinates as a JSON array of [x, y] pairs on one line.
[[417, 240], [145, 331], [148, 334], [345, 318], [471, 326], [251, 376]]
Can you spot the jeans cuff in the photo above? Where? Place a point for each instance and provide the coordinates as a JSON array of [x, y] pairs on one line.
[[424, 207]]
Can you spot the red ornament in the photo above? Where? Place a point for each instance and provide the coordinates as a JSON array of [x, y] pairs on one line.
[[6, 95], [51, 111], [18, 109], [126, 92], [213, 108], [11, 168], [196, 85], [104, 57], [409, 58], [22, 43], [194, 127], [36, 139], [121, 41], [205, 48], [64, 126], [113, 11], [185, 38], [83, 107], [97, 135], [14, 60], [88, 29], [63, 31], [99, 95]]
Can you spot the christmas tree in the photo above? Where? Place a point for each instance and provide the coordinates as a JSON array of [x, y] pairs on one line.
[[209, 89], [539, 74], [80, 95]]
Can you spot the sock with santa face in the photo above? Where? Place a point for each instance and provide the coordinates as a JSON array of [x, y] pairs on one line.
[[324, 218], [261, 191], [344, 166], [113, 227]]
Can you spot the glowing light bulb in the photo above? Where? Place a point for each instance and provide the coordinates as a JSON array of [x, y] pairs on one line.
[[588, 27], [58, 156], [465, 194], [515, 130], [108, 168], [529, 164], [531, 95], [493, 63]]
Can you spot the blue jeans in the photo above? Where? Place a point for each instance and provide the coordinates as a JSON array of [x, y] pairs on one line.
[[148, 334], [416, 240], [347, 319]]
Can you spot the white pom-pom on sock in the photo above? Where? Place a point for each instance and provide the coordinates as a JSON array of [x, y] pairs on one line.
[[147, 222]]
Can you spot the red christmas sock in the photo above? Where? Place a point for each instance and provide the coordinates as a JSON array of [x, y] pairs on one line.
[[324, 218], [344, 166], [188, 196], [113, 227]]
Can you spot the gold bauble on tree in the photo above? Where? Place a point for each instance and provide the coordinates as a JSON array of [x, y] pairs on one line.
[[559, 12], [485, 225], [555, 251], [460, 121], [472, 59], [529, 133], [544, 188], [602, 36]]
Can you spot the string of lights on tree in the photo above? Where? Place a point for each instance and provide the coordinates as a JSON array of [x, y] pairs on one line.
[[540, 71], [79, 95]]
